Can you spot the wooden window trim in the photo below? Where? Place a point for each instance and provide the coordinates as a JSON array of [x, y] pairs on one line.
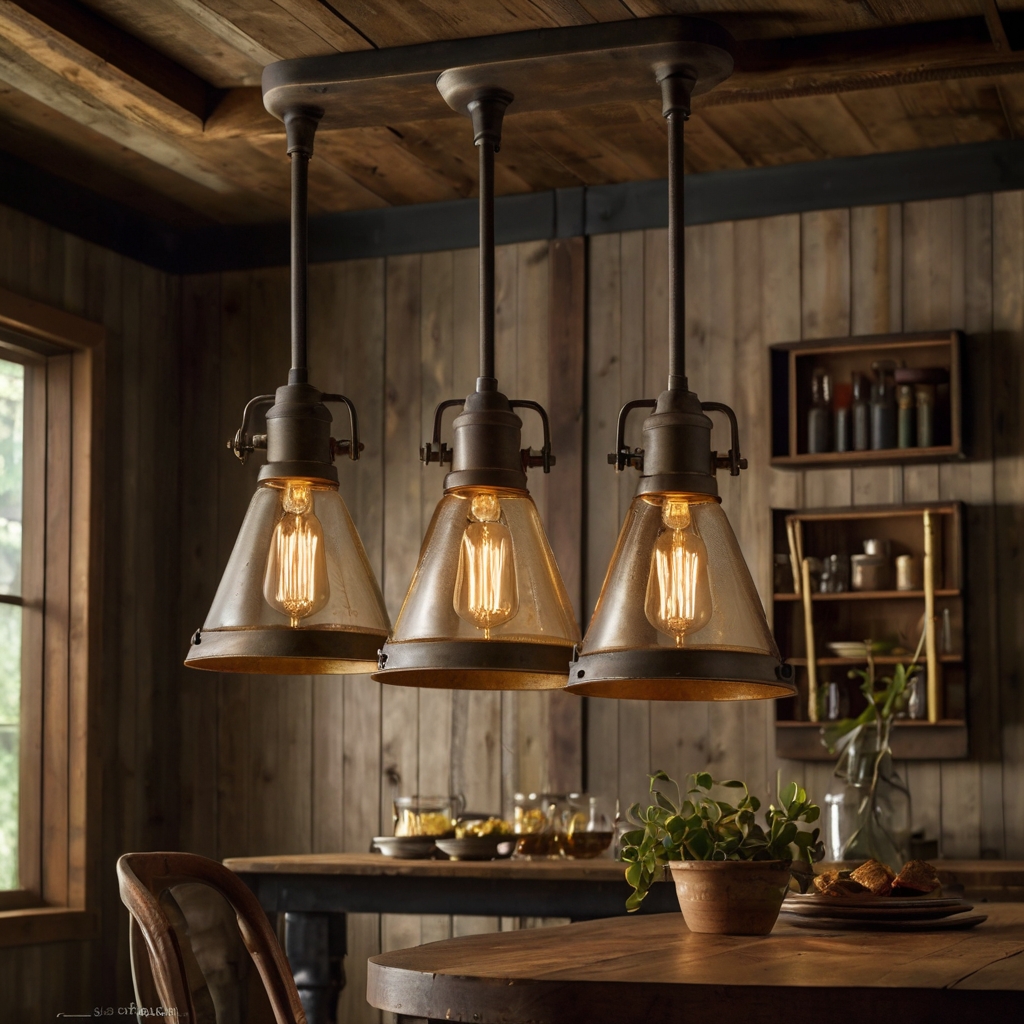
[[59, 778]]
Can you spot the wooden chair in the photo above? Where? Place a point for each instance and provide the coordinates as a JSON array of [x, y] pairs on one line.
[[195, 932]]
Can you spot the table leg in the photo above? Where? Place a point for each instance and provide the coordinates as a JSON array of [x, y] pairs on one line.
[[315, 947]]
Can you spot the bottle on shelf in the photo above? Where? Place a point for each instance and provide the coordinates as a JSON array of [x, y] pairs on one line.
[[842, 398], [860, 413], [883, 405], [819, 415]]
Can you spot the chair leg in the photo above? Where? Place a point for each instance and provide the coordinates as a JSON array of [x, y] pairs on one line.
[[315, 947]]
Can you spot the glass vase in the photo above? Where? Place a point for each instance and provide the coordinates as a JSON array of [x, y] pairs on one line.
[[867, 808]]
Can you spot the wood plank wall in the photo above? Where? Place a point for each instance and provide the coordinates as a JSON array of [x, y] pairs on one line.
[[226, 765], [138, 742], [955, 263], [311, 764]]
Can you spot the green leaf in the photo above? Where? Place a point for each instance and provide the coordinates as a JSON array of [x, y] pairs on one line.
[[703, 780]]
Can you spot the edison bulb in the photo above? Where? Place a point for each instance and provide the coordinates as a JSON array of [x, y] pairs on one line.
[[678, 593], [295, 582], [485, 587]]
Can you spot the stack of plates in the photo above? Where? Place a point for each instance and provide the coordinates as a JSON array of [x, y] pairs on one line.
[[879, 913]]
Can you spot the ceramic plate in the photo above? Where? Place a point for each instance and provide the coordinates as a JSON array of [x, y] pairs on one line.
[[922, 911], [833, 924], [478, 847], [407, 847], [795, 900]]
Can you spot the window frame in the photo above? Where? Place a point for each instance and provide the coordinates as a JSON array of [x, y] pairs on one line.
[[61, 559]]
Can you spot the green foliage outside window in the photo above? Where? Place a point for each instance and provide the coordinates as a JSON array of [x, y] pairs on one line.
[[12, 394]]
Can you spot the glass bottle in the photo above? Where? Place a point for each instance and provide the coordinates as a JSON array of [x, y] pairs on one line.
[[860, 413], [819, 415], [867, 808], [905, 426], [883, 406]]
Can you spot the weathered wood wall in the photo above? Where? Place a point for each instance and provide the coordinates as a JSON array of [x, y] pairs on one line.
[[310, 764], [955, 263], [225, 765], [137, 741]]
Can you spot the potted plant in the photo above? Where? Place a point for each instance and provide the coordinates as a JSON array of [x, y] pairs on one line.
[[731, 874]]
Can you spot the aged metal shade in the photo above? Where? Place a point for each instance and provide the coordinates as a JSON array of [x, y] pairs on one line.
[[486, 609], [298, 596], [678, 617]]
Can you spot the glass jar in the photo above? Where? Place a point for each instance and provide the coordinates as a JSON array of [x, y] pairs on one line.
[[539, 822], [590, 826], [426, 815], [867, 808]]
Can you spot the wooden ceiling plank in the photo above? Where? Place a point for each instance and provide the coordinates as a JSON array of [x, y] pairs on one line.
[[607, 10], [374, 158], [882, 116], [760, 135], [327, 22], [240, 112], [165, 26], [828, 123], [1011, 92], [128, 126], [996, 29], [229, 33]]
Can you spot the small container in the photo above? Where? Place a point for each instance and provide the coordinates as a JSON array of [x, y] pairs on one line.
[[860, 414], [917, 697], [908, 573], [905, 402], [883, 406], [877, 546], [426, 815], [842, 399], [836, 702], [819, 415], [783, 573], [869, 572], [931, 399], [835, 575]]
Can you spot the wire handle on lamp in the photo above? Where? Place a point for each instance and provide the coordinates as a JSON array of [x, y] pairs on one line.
[[624, 456], [733, 461], [543, 458], [352, 447], [244, 443]]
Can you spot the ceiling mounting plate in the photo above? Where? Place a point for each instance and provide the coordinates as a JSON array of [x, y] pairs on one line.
[[546, 69]]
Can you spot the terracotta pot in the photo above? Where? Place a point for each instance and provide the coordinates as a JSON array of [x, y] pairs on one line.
[[730, 897]]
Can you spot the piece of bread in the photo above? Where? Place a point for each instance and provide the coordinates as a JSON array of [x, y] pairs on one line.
[[838, 883], [917, 878], [875, 877]]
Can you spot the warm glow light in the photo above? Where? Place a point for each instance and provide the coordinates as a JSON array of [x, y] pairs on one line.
[[485, 588], [678, 592], [296, 578]]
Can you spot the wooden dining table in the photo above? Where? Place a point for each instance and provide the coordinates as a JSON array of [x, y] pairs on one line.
[[314, 892], [653, 970]]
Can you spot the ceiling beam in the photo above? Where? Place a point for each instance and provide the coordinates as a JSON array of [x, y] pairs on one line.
[[123, 51]]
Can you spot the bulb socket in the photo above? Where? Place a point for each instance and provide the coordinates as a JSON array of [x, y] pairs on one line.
[[487, 444], [677, 447], [299, 436]]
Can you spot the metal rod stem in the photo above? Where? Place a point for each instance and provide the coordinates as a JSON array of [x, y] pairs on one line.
[[676, 252], [299, 262], [300, 125], [486, 147]]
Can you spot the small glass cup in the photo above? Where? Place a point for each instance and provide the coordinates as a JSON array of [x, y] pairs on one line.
[[426, 815]]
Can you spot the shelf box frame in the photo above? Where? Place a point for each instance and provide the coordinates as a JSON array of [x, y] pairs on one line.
[[945, 739], [787, 408]]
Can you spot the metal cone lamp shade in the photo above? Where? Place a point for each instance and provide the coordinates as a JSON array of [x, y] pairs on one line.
[[298, 596], [678, 617], [487, 609]]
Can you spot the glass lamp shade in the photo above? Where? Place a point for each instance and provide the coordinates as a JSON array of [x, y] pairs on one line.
[[298, 596], [678, 617], [486, 608]]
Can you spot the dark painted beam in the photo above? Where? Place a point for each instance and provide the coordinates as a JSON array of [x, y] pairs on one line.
[[563, 213]]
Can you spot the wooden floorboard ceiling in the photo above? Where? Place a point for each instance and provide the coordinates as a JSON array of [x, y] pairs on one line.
[[158, 105]]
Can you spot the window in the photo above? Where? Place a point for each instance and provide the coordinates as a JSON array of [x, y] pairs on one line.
[[12, 406], [49, 564]]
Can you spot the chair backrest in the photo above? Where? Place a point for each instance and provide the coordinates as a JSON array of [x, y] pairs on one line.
[[196, 931]]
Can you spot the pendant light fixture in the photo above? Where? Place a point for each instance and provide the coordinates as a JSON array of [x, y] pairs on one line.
[[678, 617], [486, 608], [298, 595]]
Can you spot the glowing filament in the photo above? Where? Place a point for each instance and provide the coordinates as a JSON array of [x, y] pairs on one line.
[[485, 588], [678, 592], [296, 582]]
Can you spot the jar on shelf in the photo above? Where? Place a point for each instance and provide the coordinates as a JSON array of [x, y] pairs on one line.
[[590, 827], [539, 821], [426, 815]]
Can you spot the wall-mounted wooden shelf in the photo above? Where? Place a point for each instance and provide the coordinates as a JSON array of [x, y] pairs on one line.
[[793, 365], [911, 741], [891, 615]]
